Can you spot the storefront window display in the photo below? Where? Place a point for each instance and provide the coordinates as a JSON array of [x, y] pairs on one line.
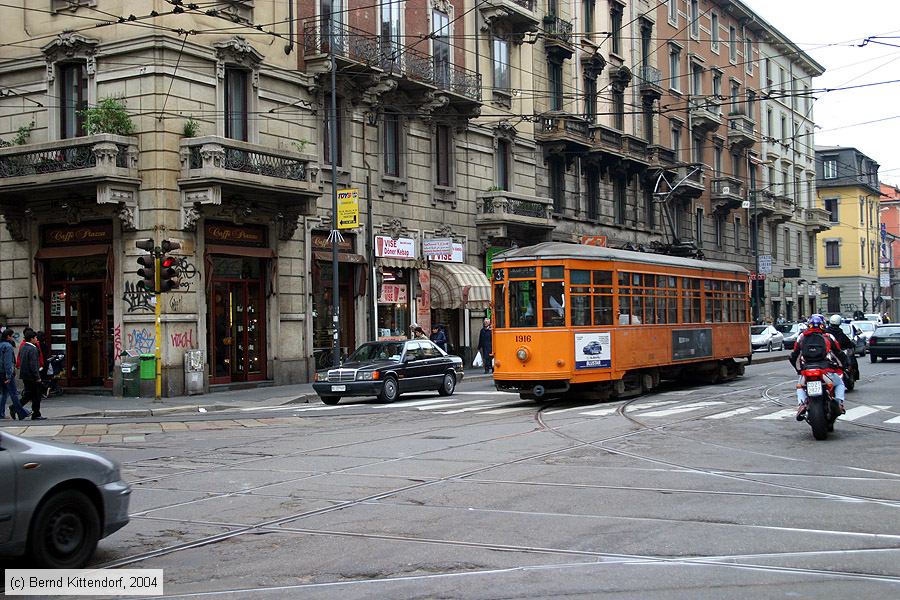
[[393, 304]]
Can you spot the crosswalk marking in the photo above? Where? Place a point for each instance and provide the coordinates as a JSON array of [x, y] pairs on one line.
[[488, 393], [679, 409], [781, 414], [733, 413], [504, 411], [861, 411], [450, 405], [409, 403], [894, 420], [472, 408], [602, 412]]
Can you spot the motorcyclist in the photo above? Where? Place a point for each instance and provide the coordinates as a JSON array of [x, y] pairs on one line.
[[832, 360], [846, 343]]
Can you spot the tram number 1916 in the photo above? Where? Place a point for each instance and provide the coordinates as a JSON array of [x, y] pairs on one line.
[[523, 338]]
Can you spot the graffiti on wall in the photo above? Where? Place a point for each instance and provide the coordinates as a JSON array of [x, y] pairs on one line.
[[188, 273], [141, 339], [183, 339], [137, 299], [117, 341], [175, 302]]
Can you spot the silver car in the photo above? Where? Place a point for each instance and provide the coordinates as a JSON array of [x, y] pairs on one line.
[[57, 501], [766, 336]]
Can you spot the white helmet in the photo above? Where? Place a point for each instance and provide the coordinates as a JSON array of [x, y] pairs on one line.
[[835, 320]]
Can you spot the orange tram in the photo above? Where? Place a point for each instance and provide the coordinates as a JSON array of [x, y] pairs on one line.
[[596, 323]]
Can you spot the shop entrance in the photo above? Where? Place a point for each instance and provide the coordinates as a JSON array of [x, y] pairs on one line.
[[323, 311], [78, 314], [237, 320]]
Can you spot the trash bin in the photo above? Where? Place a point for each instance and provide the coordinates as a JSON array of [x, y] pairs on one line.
[[193, 372], [148, 366], [131, 383]]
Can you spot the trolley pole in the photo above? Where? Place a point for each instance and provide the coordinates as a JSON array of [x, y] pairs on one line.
[[335, 233]]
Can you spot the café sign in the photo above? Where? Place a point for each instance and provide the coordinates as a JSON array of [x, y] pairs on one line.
[[97, 233], [243, 235]]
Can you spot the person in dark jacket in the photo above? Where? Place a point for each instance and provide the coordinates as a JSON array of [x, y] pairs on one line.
[[439, 337], [30, 374], [486, 346], [8, 379]]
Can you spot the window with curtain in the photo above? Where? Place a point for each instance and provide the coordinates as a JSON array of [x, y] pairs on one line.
[[501, 65], [443, 155], [558, 183], [73, 99], [555, 73], [328, 142], [391, 33], [391, 146], [236, 104], [441, 48], [615, 25], [501, 163]]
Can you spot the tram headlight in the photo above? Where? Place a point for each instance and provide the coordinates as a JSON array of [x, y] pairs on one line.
[[522, 354]]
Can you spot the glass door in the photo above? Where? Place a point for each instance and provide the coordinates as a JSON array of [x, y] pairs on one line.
[[77, 329], [237, 331]]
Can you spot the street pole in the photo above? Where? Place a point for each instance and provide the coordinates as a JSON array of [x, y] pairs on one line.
[[335, 235], [157, 266], [755, 224]]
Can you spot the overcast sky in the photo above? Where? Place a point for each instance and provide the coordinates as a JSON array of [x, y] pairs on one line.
[[813, 25]]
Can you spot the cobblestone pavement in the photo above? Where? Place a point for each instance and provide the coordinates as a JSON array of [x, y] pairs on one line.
[[119, 433]]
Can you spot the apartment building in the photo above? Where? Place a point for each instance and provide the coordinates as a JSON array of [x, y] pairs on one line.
[[848, 190], [889, 250]]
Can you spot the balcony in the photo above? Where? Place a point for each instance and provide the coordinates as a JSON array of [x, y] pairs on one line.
[[569, 132], [363, 51], [741, 130], [518, 15], [557, 37], [817, 220], [705, 115], [784, 209], [62, 163], [75, 175], [661, 156], [762, 204], [650, 82], [690, 182], [608, 143], [507, 215], [637, 150], [216, 169], [727, 194]]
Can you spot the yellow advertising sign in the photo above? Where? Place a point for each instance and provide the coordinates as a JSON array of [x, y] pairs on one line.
[[348, 209]]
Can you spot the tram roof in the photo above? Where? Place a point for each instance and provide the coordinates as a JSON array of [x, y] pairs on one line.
[[563, 250]]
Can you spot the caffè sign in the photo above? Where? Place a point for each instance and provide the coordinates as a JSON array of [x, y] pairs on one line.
[[63, 235], [242, 235]]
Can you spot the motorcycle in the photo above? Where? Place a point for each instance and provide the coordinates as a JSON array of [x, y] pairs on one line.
[[851, 375], [822, 410]]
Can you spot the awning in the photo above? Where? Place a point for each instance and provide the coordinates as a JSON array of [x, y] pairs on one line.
[[398, 263], [74, 251], [344, 257], [458, 285]]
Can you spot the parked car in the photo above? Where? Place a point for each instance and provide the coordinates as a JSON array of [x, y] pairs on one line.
[[866, 327], [790, 331], [765, 336], [388, 369], [885, 342], [57, 501], [855, 334]]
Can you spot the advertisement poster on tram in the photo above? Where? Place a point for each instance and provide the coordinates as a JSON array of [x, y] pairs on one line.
[[593, 350]]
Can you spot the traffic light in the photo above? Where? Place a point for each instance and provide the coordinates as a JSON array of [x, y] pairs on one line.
[[168, 274], [147, 273], [147, 270], [169, 246]]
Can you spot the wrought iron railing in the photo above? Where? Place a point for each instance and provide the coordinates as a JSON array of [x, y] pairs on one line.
[[556, 123], [387, 54], [62, 157], [722, 186], [204, 153], [504, 203], [557, 29]]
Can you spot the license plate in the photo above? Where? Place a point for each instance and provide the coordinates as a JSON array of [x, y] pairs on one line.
[[339, 388], [814, 388]]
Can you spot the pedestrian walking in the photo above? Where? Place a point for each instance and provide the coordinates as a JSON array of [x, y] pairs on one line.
[[30, 374], [439, 337], [8, 377], [486, 346]]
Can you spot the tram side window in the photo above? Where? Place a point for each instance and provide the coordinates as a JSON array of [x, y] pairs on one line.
[[580, 291], [522, 302], [553, 300], [690, 300], [603, 297], [499, 306]]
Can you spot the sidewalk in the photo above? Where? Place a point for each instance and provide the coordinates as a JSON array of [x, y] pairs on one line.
[[83, 405]]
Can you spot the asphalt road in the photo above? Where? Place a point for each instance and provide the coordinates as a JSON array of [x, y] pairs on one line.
[[691, 493]]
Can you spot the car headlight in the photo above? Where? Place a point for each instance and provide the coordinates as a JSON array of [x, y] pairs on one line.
[[366, 376]]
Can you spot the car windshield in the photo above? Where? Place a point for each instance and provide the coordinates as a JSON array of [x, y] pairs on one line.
[[377, 351], [758, 329], [865, 325], [885, 331], [786, 327]]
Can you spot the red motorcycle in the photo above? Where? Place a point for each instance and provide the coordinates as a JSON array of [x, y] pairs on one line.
[[822, 410]]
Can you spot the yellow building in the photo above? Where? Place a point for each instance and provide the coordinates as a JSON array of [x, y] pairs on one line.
[[847, 188]]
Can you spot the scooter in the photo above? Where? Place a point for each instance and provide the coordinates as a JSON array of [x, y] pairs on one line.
[[55, 368], [822, 410]]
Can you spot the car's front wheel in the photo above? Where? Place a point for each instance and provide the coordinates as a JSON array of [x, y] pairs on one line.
[[64, 531], [331, 399], [448, 385], [390, 391]]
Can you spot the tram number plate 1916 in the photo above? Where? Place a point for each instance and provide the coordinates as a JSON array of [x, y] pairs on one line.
[[523, 338], [814, 388]]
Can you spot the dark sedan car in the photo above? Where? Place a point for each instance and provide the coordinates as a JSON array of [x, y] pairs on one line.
[[388, 369], [884, 342]]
